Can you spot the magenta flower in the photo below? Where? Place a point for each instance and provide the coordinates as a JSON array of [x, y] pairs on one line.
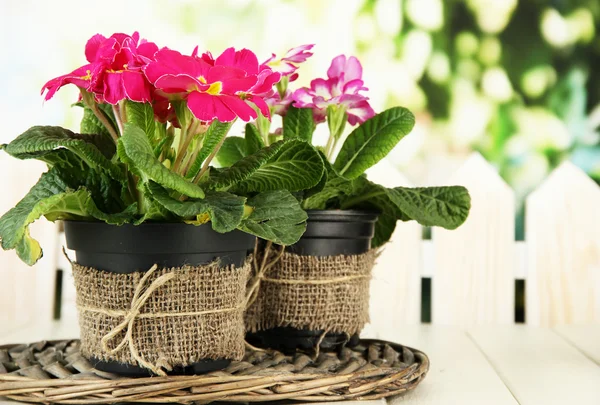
[[220, 88], [279, 105], [288, 64], [342, 88], [114, 72]]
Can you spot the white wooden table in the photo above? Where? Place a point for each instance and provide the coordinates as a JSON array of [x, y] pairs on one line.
[[483, 365]]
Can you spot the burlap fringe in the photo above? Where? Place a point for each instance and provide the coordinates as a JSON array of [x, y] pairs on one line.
[[317, 293], [164, 317]]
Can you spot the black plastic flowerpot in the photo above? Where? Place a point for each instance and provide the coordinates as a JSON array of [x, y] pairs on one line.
[[328, 233], [127, 249]]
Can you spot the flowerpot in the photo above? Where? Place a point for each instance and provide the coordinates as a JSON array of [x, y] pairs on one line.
[[339, 240], [197, 272]]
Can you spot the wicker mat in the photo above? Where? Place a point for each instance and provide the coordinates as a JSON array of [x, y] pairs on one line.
[[55, 372]]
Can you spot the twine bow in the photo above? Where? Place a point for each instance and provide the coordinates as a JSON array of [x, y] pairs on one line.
[[139, 299], [261, 270]]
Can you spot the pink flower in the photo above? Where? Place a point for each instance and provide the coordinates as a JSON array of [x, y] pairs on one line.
[[114, 72], [341, 88], [220, 88], [288, 64], [279, 105]]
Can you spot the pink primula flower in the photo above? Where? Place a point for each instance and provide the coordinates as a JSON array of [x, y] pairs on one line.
[[341, 88], [114, 72], [279, 105], [220, 88], [288, 64]]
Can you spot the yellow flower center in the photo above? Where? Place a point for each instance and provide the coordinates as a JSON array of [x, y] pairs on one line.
[[88, 75], [202, 80], [215, 88]]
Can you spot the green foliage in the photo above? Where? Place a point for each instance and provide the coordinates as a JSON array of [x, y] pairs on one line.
[[232, 151], [51, 196], [298, 123], [41, 141], [254, 142], [212, 139], [225, 210], [276, 216], [142, 116], [372, 141], [288, 165], [137, 151]]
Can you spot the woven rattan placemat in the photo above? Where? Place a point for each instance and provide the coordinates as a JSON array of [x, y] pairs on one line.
[[55, 372]]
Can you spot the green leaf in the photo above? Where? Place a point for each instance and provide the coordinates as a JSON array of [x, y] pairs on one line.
[[254, 141], [138, 154], [142, 116], [298, 123], [183, 113], [51, 197], [232, 151], [212, 138], [372, 141], [40, 141], [224, 209], [295, 166], [447, 207], [276, 216]]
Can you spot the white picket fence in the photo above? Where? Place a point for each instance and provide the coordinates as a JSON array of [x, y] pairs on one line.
[[473, 269]]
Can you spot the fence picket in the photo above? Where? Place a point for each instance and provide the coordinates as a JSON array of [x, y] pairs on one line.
[[396, 283], [473, 281], [563, 242]]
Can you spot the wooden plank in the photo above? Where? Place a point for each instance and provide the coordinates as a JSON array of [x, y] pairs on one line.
[[563, 238], [396, 284], [586, 338], [474, 265], [538, 366], [459, 373]]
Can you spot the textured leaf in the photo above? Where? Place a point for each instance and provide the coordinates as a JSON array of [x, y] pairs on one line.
[[232, 151], [52, 197], [447, 207], [225, 210], [39, 141], [138, 154], [213, 137], [372, 141], [296, 166], [254, 141], [298, 123], [276, 216], [142, 116]]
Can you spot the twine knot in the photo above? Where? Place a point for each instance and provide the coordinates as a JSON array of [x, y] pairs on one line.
[[140, 297]]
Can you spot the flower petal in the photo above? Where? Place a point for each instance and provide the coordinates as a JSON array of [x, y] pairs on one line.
[[92, 46], [136, 87], [239, 107], [298, 54], [303, 97], [360, 112], [113, 91], [243, 59], [207, 107], [261, 104], [181, 83]]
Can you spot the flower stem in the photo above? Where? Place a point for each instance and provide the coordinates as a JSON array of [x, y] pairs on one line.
[[206, 163], [186, 136], [118, 118], [88, 100]]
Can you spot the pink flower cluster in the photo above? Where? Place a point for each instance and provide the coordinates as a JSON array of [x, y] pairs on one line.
[[232, 85], [341, 88], [122, 67]]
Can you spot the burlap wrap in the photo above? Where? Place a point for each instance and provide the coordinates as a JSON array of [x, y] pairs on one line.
[[317, 293], [167, 331]]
